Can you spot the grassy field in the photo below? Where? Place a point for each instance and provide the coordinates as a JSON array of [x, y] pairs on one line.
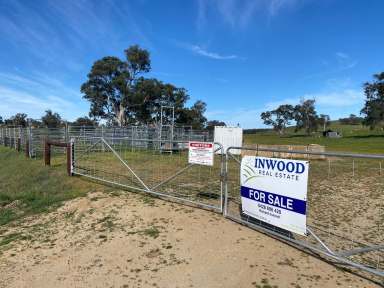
[[28, 187], [356, 138]]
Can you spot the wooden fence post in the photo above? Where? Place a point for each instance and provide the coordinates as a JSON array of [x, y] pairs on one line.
[[47, 153], [27, 148], [18, 143]]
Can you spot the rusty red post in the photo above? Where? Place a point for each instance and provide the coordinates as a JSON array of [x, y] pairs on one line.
[[18, 144]]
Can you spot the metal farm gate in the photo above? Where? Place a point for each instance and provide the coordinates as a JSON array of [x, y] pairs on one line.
[[145, 165], [345, 205]]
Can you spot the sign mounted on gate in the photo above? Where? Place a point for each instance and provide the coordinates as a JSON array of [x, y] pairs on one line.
[[200, 153], [274, 191]]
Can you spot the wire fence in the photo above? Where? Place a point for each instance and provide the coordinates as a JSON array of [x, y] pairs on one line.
[[33, 139]]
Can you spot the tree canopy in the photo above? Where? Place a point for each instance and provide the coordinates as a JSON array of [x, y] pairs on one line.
[[51, 120], [351, 120], [119, 93], [304, 114], [19, 119], [374, 103], [279, 118], [85, 121], [212, 123]]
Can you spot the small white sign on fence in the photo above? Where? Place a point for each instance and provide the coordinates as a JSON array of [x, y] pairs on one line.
[[274, 190], [200, 153]]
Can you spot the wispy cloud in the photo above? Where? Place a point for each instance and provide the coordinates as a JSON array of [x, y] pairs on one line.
[[336, 63], [343, 98], [328, 102], [36, 93], [345, 61], [276, 6], [327, 99], [64, 32], [234, 13], [198, 50], [239, 14], [14, 101]]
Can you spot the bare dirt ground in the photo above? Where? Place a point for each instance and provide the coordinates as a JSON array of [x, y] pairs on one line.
[[130, 240]]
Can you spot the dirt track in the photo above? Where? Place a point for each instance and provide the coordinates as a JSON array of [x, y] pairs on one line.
[[128, 240]]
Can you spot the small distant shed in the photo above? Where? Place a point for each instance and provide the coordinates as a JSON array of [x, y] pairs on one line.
[[332, 134], [229, 137]]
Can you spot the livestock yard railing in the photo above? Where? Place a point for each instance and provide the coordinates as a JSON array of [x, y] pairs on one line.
[[153, 166], [344, 208], [31, 140]]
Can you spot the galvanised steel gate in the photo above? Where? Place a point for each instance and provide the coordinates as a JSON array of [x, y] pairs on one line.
[[345, 205], [151, 166], [345, 202]]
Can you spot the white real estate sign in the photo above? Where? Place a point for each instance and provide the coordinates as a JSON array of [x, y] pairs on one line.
[[200, 153], [274, 190]]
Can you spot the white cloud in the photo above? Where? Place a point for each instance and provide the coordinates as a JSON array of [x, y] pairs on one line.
[[35, 94], [344, 98], [345, 61], [209, 54], [336, 103], [13, 101], [235, 13], [37, 82], [339, 62], [275, 6], [342, 55], [239, 14], [327, 99]]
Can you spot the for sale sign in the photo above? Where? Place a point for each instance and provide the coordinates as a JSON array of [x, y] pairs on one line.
[[201, 153], [274, 190]]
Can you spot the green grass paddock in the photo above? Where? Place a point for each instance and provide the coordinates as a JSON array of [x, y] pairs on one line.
[[356, 138], [28, 187]]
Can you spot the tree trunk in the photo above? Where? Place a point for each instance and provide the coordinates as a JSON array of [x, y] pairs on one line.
[[121, 115]]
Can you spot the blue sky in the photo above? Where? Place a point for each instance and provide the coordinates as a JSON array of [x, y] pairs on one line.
[[239, 56]]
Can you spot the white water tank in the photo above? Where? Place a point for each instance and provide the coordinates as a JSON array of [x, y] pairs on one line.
[[229, 137]]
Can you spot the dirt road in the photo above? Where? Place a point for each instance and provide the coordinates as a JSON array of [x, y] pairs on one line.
[[129, 240]]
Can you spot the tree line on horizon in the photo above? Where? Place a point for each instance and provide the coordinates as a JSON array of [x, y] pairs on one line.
[[306, 118], [53, 120]]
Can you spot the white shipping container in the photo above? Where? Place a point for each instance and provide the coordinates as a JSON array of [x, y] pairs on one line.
[[229, 137]]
